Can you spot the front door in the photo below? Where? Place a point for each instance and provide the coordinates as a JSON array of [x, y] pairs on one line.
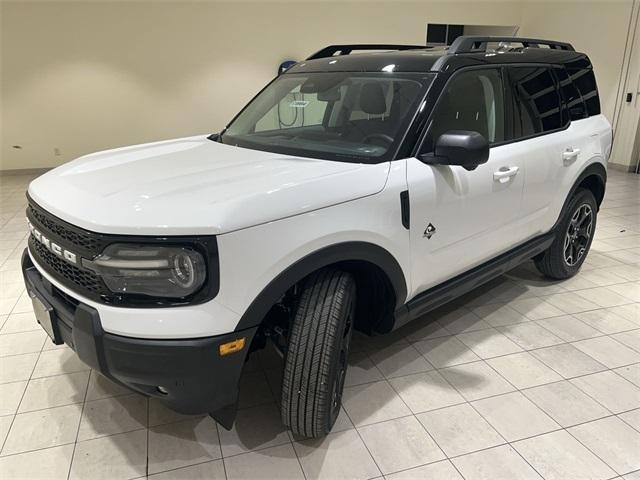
[[461, 218]]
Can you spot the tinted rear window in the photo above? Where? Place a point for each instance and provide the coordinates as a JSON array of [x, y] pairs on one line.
[[573, 107], [537, 107], [585, 82]]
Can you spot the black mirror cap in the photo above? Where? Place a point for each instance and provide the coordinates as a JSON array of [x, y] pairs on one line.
[[465, 148]]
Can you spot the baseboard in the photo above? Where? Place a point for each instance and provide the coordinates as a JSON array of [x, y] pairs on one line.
[[24, 171], [621, 168]]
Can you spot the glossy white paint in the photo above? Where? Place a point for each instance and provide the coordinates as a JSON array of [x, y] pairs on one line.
[[194, 186], [550, 173], [271, 210], [479, 215], [251, 258], [474, 214]]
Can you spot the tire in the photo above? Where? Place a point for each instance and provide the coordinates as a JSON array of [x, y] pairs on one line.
[[316, 360], [574, 235]]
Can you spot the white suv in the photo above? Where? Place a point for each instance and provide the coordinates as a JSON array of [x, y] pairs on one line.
[[353, 192]]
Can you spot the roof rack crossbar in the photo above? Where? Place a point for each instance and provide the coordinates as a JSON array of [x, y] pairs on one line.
[[471, 44], [331, 50]]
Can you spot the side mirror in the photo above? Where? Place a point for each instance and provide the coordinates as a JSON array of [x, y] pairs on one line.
[[465, 148]]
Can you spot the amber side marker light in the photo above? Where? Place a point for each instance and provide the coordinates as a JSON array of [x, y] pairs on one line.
[[231, 347]]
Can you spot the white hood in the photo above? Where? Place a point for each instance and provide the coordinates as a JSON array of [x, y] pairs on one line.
[[196, 186]]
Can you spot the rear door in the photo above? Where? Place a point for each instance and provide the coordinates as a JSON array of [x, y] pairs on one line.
[[547, 144]]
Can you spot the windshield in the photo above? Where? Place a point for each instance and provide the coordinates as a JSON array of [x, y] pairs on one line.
[[356, 117]]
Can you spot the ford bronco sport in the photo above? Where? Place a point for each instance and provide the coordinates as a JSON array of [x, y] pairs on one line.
[[355, 191]]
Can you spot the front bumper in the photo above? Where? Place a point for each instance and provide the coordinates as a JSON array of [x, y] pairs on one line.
[[194, 376]]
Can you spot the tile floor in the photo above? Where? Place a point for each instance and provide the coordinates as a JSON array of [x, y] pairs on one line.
[[525, 378]]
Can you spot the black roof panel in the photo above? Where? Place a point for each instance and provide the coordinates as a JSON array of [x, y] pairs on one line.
[[435, 60]]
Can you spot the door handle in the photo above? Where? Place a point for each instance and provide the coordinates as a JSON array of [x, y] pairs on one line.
[[504, 174], [569, 155]]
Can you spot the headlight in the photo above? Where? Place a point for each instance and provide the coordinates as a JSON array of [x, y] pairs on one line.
[[159, 271]]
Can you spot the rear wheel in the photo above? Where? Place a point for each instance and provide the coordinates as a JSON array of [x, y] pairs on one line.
[[317, 353], [573, 238]]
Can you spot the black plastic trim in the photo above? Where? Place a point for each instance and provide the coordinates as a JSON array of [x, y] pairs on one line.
[[405, 209], [463, 283], [475, 44], [594, 169], [331, 50], [341, 252], [196, 378]]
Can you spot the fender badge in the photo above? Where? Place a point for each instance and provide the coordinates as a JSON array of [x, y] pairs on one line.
[[429, 231]]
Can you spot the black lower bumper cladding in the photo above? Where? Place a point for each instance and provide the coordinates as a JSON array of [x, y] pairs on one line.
[[188, 376]]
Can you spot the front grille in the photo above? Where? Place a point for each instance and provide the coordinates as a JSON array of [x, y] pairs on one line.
[[84, 241], [85, 279]]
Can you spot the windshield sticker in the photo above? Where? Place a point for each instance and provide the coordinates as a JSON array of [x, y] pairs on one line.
[[299, 104]]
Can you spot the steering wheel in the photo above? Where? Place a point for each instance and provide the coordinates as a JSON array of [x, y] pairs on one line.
[[388, 140]]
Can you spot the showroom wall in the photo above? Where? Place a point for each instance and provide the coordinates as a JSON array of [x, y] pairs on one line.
[[598, 28], [84, 76]]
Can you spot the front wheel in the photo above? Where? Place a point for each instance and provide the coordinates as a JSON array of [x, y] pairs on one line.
[[573, 238], [316, 360]]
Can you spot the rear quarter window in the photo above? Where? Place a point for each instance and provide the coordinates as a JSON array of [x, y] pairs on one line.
[[585, 82], [573, 107]]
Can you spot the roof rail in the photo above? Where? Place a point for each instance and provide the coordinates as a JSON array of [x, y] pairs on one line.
[[470, 44], [331, 50]]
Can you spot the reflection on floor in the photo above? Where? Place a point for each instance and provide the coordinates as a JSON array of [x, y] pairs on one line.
[[525, 378]]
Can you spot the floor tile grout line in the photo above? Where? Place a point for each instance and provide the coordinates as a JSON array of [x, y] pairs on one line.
[[260, 449], [611, 414], [594, 453], [148, 429], [566, 428], [295, 452], [47, 376], [491, 396], [593, 398], [20, 402], [219, 437], [468, 402], [75, 442], [634, 427], [184, 467], [9, 455], [524, 392], [362, 439], [519, 390]]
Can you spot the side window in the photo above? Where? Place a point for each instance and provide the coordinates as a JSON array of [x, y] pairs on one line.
[[536, 101], [573, 107], [585, 82], [472, 100]]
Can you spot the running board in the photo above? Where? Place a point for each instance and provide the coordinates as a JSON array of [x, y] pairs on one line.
[[451, 289]]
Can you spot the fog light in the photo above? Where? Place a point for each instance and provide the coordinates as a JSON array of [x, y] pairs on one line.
[[162, 390], [231, 347]]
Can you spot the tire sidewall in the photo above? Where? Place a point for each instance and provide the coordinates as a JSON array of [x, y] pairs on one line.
[[349, 309], [582, 197], [318, 328]]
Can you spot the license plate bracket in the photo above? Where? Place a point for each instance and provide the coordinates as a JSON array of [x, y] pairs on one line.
[[46, 317]]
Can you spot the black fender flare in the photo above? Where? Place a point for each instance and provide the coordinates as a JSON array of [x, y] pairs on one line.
[[594, 169], [340, 252]]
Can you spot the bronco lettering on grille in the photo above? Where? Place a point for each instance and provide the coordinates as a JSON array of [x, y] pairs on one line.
[[53, 247]]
